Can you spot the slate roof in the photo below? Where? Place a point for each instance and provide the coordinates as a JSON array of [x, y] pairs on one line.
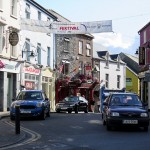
[[131, 62]]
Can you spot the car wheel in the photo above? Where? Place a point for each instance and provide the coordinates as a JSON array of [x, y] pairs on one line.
[[69, 111], [104, 122], [58, 111], [12, 117], [86, 110], [76, 109], [145, 128], [43, 115], [48, 113], [108, 127]]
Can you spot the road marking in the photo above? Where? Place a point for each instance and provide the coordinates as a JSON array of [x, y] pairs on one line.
[[34, 137]]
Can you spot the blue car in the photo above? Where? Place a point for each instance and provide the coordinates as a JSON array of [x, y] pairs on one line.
[[33, 103]]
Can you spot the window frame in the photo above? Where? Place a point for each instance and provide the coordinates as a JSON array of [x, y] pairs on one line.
[[80, 47]]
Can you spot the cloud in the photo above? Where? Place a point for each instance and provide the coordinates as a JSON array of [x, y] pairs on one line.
[[115, 40]]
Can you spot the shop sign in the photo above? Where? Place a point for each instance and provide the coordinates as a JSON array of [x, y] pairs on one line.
[[29, 85], [13, 38], [129, 81], [2, 65], [141, 56], [32, 70]]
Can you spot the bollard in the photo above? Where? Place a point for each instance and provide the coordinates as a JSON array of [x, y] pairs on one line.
[[17, 119]]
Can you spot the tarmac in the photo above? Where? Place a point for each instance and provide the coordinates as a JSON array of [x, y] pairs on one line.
[[8, 134]]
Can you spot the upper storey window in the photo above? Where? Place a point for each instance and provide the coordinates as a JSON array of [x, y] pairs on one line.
[[13, 7], [80, 47], [27, 11]]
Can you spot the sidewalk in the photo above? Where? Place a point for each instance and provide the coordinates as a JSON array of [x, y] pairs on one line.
[[8, 135]]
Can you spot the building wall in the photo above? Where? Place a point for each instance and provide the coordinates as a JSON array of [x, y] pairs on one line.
[[132, 86], [113, 72]]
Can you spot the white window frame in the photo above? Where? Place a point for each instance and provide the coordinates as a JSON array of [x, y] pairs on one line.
[[80, 47], [88, 49], [107, 80], [13, 51], [13, 7], [1, 38], [1, 5], [27, 11], [144, 36], [39, 15], [118, 81], [66, 44]]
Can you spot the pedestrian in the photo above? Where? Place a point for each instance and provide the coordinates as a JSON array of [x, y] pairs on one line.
[[97, 101], [92, 102]]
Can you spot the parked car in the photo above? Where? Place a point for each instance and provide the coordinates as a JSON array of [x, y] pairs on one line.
[[72, 103], [33, 103], [124, 109]]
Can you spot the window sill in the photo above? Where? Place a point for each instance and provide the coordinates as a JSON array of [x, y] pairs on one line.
[[106, 67], [15, 17], [1, 10], [88, 55], [80, 54], [13, 57], [65, 51]]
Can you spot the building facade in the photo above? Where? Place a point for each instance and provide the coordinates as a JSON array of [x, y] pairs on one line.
[[144, 62]]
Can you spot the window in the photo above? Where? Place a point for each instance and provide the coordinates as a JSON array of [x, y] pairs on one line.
[[107, 60], [118, 63], [48, 56], [80, 47], [27, 48], [88, 49], [1, 4], [39, 15], [65, 68], [39, 53], [13, 50], [14, 7], [66, 44], [118, 81], [27, 11], [1, 38], [107, 80], [81, 71], [144, 36]]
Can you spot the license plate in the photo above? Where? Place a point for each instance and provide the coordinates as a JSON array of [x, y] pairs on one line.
[[64, 108], [130, 121], [25, 111]]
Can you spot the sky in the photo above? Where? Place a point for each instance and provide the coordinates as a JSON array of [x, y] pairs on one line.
[[128, 17]]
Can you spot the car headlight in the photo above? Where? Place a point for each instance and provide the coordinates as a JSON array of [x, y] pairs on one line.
[[39, 105], [114, 114], [144, 115]]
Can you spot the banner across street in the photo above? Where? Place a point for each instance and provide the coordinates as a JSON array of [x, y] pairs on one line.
[[66, 27]]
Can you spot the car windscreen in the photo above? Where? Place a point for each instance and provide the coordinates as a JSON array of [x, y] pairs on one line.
[[71, 99], [29, 96], [127, 100]]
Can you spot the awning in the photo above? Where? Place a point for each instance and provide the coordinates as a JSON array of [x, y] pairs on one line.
[[85, 85]]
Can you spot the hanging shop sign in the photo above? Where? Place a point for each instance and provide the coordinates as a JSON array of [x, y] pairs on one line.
[[67, 27], [13, 38], [29, 85], [141, 56]]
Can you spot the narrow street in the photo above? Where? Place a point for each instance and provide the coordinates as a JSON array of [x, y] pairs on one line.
[[63, 131]]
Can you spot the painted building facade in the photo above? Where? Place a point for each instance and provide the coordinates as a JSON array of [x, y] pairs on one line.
[[144, 62]]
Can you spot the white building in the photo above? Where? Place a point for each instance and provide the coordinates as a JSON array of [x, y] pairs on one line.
[[37, 50], [9, 55], [111, 70]]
